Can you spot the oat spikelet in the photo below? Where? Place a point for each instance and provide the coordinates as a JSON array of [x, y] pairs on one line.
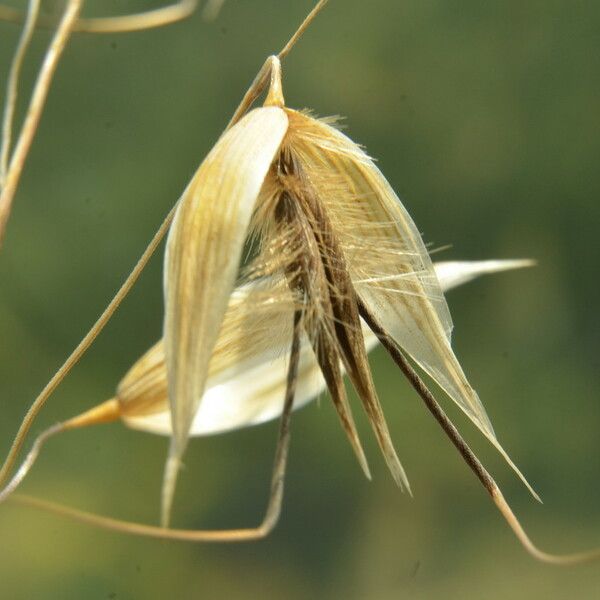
[[333, 258], [330, 234]]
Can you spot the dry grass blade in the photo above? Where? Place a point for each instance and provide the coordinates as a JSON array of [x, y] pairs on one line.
[[453, 273], [329, 363]]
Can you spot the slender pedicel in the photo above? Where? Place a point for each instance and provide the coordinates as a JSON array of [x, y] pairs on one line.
[[192, 535]]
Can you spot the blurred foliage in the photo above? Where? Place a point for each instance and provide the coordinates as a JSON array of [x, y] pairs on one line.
[[484, 116]]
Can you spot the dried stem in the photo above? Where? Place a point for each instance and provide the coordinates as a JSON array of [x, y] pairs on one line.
[[12, 86], [82, 346], [303, 27], [104, 413], [31, 457], [262, 79], [122, 24], [469, 457], [193, 535], [34, 111], [561, 560], [271, 69]]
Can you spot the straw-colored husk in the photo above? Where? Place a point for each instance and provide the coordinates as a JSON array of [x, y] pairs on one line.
[[246, 376], [202, 259]]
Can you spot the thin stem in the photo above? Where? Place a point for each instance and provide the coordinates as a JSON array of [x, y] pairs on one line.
[[254, 91], [193, 535], [82, 347], [122, 24], [469, 457], [283, 442], [561, 560], [270, 72], [104, 413], [12, 85], [303, 27], [31, 457], [34, 111]]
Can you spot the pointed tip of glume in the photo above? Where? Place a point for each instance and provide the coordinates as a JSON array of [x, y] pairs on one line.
[[514, 467], [522, 477], [516, 263], [172, 467], [399, 475], [363, 463]]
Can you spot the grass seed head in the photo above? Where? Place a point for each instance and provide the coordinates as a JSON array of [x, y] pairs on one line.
[[331, 236], [337, 264]]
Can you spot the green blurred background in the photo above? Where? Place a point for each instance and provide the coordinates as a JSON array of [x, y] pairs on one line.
[[485, 118]]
